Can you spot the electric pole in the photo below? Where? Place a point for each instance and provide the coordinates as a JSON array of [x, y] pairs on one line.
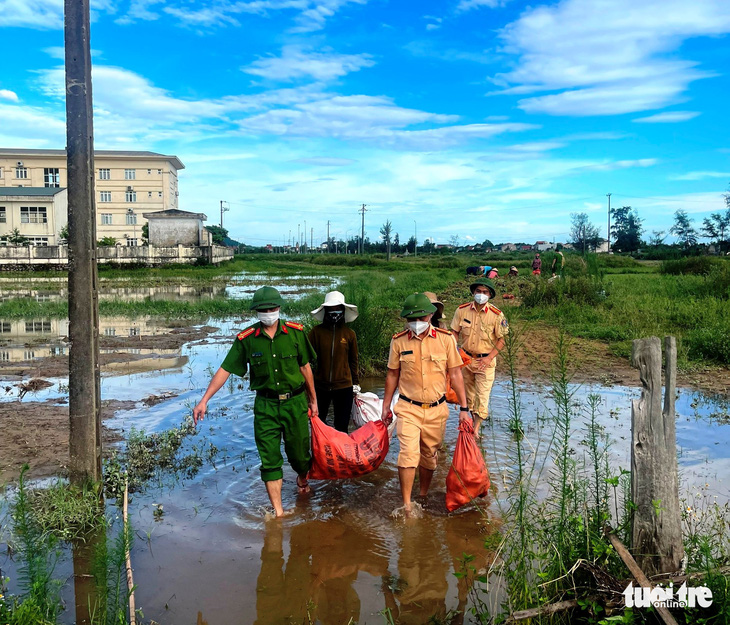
[[608, 234], [362, 231], [328, 236], [311, 238], [223, 210], [415, 238]]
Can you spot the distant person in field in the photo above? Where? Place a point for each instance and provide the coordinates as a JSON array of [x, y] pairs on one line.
[[513, 272], [480, 328], [537, 265], [276, 354], [558, 264], [335, 374], [478, 270], [493, 273]]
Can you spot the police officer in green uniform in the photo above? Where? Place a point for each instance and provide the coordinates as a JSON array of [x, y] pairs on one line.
[[277, 356]]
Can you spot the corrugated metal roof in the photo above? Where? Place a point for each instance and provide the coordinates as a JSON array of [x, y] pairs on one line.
[[38, 191]]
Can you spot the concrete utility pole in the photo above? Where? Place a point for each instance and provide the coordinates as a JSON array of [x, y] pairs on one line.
[[223, 210], [362, 231], [311, 238], [415, 238], [328, 236], [608, 235], [83, 306]]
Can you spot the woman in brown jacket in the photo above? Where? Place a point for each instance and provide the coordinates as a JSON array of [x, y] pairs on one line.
[[336, 348]]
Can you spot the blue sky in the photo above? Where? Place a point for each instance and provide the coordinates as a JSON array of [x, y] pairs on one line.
[[473, 118]]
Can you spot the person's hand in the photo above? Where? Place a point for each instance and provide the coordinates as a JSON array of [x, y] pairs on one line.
[[485, 362], [387, 415], [464, 415], [313, 409], [356, 389], [199, 411]]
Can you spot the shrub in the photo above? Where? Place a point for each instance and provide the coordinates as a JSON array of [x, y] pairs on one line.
[[700, 265], [709, 343], [581, 290]]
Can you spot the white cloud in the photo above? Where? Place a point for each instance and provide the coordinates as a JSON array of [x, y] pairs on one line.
[[140, 10], [299, 62], [701, 175], [622, 164], [6, 94], [41, 14], [25, 126], [669, 117], [468, 5], [326, 161], [607, 58]]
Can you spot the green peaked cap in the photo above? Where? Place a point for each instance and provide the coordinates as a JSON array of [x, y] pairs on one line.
[[266, 297], [417, 305]]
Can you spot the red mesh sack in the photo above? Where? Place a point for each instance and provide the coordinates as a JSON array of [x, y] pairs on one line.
[[336, 455], [450, 392], [468, 477]]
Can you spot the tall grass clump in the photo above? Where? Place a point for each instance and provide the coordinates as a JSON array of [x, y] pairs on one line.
[[698, 265]]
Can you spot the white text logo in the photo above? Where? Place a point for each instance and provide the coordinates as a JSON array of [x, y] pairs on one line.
[[639, 597]]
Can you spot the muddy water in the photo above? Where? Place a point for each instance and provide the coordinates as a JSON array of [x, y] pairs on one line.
[[213, 557]]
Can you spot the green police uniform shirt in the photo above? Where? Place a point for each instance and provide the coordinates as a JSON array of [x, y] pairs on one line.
[[273, 363]]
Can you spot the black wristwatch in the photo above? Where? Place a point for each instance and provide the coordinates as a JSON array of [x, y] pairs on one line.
[[463, 409]]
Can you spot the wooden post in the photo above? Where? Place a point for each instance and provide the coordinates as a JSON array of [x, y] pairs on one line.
[[83, 308], [656, 526]]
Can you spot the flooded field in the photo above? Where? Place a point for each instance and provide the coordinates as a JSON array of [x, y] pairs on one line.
[[205, 550]]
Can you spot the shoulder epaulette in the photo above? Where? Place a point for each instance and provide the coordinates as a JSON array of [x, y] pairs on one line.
[[296, 326], [245, 333], [465, 305], [495, 310], [399, 334], [443, 331]]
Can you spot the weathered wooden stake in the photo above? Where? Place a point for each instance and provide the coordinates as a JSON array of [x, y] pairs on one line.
[[83, 308], [657, 525]]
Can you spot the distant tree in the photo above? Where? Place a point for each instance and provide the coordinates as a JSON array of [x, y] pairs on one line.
[[411, 245], [626, 229], [396, 243], [454, 240], [487, 243], [428, 246], [715, 226], [219, 234], [15, 238], [583, 234], [683, 229], [145, 234], [387, 230], [106, 242], [657, 238]]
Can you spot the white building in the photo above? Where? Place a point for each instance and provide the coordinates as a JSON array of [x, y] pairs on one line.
[[37, 213]]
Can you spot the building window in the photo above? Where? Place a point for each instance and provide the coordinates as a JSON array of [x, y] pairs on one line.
[[131, 219], [51, 177], [21, 172], [33, 215], [3, 215], [1, 172], [28, 354], [130, 174], [57, 351], [4, 327], [105, 196], [132, 331], [149, 171], [159, 172], [106, 219], [4, 356], [149, 193], [37, 326], [131, 242], [105, 174], [159, 194], [39, 241], [131, 196], [110, 331]]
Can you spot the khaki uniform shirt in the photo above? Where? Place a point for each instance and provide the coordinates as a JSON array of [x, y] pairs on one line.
[[423, 363], [479, 327]]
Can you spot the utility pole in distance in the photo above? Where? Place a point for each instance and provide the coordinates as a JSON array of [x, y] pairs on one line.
[[608, 234], [362, 231], [328, 236], [223, 210], [84, 395], [311, 238]]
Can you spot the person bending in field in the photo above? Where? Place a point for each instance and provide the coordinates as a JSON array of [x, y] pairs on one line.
[[276, 353]]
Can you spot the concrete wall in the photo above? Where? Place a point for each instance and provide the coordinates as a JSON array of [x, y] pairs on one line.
[[19, 258], [171, 231]]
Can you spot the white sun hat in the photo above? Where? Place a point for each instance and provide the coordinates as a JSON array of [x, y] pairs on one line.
[[335, 298]]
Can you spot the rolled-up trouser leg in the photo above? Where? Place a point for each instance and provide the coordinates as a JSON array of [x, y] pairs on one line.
[[478, 386], [267, 429], [295, 423]]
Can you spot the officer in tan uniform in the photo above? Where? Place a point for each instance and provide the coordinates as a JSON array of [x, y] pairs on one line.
[[420, 358], [480, 328]]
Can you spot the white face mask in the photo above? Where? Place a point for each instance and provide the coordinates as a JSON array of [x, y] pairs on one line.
[[481, 298], [268, 318], [418, 327]]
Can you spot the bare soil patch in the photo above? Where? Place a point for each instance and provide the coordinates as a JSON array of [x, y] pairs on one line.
[[37, 433]]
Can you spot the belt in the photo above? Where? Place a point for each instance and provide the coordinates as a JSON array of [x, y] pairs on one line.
[[422, 404], [280, 396], [475, 355]]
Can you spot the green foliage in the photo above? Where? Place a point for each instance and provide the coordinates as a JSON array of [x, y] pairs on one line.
[[219, 234], [697, 265], [67, 512], [580, 290], [583, 234], [63, 233], [106, 242], [15, 238], [683, 229], [626, 229]]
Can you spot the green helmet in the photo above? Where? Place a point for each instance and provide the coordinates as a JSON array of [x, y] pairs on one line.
[[484, 282], [266, 297], [417, 305]]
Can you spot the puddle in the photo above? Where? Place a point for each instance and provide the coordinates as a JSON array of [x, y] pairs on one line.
[[341, 555], [244, 284]]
